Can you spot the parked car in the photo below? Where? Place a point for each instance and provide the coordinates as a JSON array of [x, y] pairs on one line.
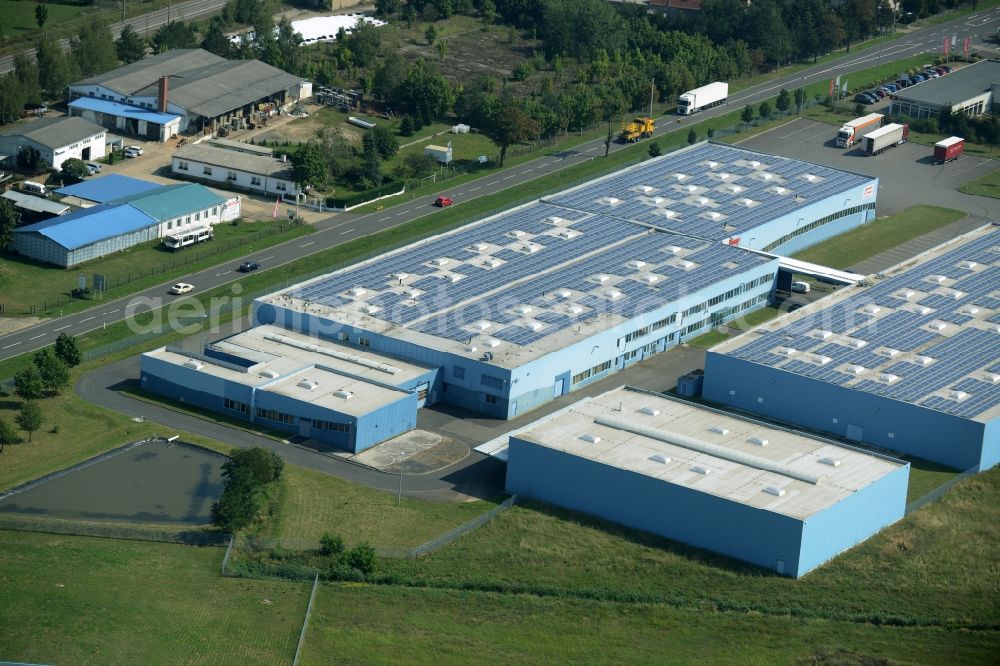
[[181, 288], [93, 168], [879, 94], [133, 151], [800, 287], [946, 68], [904, 83], [930, 73], [918, 78], [864, 98], [248, 266], [941, 70], [889, 87], [441, 202]]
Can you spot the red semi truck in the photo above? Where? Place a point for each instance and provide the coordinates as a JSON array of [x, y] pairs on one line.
[[949, 149]]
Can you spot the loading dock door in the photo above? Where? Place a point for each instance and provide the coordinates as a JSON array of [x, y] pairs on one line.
[[854, 432], [557, 388]]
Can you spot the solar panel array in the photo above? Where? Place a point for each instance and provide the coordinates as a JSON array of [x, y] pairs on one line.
[[929, 336], [711, 191], [527, 274]]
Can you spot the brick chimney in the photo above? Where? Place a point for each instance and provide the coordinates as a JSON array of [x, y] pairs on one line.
[[161, 98]]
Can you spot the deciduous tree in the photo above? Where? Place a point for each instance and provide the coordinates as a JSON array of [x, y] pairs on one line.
[[510, 125], [29, 418], [28, 384], [130, 46], [309, 166], [68, 350], [8, 435], [52, 371], [73, 170], [94, 49], [8, 220]]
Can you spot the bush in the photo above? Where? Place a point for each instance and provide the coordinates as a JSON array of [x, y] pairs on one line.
[[362, 558], [331, 545], [390, 185]]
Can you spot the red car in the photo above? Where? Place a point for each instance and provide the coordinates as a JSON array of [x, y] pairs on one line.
[[443, 201]]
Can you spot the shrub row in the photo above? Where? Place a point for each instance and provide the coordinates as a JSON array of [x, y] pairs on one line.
[[390, 185]]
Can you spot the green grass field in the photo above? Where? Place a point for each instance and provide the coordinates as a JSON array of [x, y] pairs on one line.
[[81, 600], [931, 568], [737, 326], [879, 235], [398, 625], [312, 503], [987, 186], [26, 283]]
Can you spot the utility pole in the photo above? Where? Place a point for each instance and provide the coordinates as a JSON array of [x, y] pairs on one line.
[[652, 88]]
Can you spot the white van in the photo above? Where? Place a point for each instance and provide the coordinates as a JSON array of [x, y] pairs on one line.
[[31, 187], [800, 287]]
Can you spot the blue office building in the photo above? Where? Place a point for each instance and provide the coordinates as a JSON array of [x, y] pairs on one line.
[[346, 398], [910, 362], [774, 497]]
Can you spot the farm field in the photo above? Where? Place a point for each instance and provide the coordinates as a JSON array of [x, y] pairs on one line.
[[81, 600]]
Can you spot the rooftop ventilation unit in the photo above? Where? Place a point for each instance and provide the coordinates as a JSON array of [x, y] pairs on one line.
[[686, 265], [857, 369], [937, 325], [754, 163], [759, 441], [958, 396], [492, 342], [517, 233], [766, 176], [725, 176], [413, 293], [675, 249], [888, 378], [789, 351], [773, 490], [403, 276], [649, 411], [636, 264], [576, 309], [823, 335], [890, 352], [645, 189], [692, 188], [358, 292], [669, 214], [680, 176], [924, 310], [455, 277], [343, 393], [659, 458], [957, 294], [937, 278], [810, 177], [568, 234], [372, 309], [536, 326], [480, 247], [993, 377], [736, 189], [711, 164], [830, 461], [968, 264], [857, 344], [441, 261], [650, 278], [698, 469], [779, 190], [714, 215], [614, 294], [483, 325], [525, 309], [702, 200], [822, 360], [971, 309], [343, 356], [872, 309], [269, 374], [307, 384], [907, 293], [471, 350], [555, 219], [591, 439], [719, 430], [924, 360], [193, 364], [602, 278], [610, 201], [492, 262]]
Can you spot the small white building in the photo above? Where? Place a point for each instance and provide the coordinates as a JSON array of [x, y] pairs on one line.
[[441, 153], [56, 139], [237, 169]]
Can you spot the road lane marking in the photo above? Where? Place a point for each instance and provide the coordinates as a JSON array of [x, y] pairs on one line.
[[508, 177], [307, 244], [402, 212], [9, 346], [36, 337], [475, 188], [383, 219], [112, 311], [59, 329], [346, 232], [88, 319]]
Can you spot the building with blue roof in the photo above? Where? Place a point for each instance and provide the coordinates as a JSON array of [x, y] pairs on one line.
[[126, 118], [106, 188], [910, 362], [149, 211], [89, 233]]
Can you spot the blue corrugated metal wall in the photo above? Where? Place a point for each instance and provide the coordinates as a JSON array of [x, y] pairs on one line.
[[853, 519], [699, 519], [809, 403]]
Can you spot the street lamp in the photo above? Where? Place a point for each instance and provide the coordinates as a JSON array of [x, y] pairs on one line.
[[402, 461]]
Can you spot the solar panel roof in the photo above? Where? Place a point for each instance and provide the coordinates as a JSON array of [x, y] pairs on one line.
[[710, 190], [928, 334], [514, 283]]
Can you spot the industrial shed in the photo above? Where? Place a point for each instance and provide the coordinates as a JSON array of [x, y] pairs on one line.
[[32, 208], [204, 90], [57, 139], [339, 395], [774, 497], [104, 189], [972, 90], [69, 240], [127, 119], [910, 363]]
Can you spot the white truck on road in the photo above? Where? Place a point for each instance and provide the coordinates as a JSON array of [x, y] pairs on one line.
[[702, 98]]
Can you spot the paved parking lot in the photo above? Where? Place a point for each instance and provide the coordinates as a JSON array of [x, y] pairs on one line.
[[907, 174]]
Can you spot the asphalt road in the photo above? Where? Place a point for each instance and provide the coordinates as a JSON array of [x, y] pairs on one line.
[[344, 227], [144, 24]]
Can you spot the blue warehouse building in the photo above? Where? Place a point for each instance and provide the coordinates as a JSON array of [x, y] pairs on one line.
[[910, 363], [343, 397], [767, 495]]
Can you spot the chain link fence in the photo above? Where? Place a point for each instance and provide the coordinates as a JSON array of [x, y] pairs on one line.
[[451, 535]]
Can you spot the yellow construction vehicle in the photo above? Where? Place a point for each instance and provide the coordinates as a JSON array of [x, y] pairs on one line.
[[640, 128]]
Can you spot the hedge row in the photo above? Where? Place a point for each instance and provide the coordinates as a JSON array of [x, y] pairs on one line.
[[390, 185]]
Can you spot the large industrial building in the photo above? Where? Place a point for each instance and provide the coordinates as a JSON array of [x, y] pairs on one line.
[[333, 393], [771, 496], [530, 304], [972, 90], [203, 90], [236, 166], [910, 363], [139, 215]]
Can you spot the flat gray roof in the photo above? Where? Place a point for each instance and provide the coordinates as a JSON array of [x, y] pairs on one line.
[[234, 159], [680, 443], [55, 132], [241, 146], [955, 88]]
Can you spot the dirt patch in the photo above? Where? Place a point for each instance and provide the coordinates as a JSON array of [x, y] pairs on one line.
[[473, 53], [11, 324], [416, 452]]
